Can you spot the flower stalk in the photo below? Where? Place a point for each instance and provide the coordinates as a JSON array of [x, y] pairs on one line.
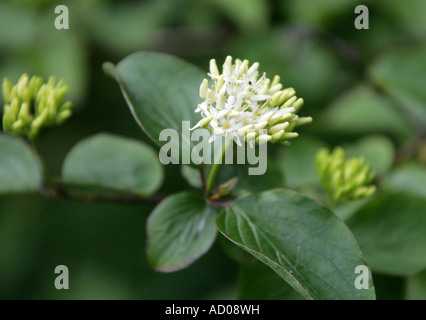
[[213, 171]]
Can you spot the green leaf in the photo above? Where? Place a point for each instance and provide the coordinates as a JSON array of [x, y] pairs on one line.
[[318, 13], [298, 163], [302, 241], [161, 91], [23, 53], [409, 178], [19, 168], [416, 287], [235, 252], [250, 15], [258, 282], [180, 230], [346, 209], [401, 74], [191, 175], [272, 178], [109, 161], [391, 233], [377, 150], [360, 111], [407, 14]]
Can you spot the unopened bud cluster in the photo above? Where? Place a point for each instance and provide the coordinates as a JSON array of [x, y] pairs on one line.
[[344, 179], [31, 105], [243, 106]]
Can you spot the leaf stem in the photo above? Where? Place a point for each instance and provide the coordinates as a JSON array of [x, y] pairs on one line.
[[57, 190], [203, 179], [47, 177], [215, 167], [93, 197]]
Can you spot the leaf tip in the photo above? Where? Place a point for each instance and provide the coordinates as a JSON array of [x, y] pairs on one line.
[[109, 69]]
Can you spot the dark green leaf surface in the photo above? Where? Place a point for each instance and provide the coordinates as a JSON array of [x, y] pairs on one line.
[[409, 178], [360, 111], [298, 162], [302, 241], [272, 178], [235, 252], [19, 168], [377, 150], [161, 91], [401, 73], [258, 282], [416, 287], [114, 162], [180, 230], [391, 233], [192, 176]]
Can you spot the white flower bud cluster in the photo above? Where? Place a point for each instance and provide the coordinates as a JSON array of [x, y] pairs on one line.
[[243, 106]]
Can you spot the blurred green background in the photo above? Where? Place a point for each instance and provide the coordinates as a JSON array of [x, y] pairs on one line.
[[354, 82]]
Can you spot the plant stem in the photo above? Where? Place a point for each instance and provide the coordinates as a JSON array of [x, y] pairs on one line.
[[215, 167], [47, 178], [203, 179], [93, 197]]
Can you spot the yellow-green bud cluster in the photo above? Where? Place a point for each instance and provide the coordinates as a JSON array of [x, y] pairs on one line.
[[344, 179], [31, 105]]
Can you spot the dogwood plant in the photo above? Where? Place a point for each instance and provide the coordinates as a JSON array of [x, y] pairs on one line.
[[267, 228]]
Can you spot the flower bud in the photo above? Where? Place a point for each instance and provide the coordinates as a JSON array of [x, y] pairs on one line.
[[213, 68], [203, 88], [279, 127], [7, 90], [344, 179], [31, 105]]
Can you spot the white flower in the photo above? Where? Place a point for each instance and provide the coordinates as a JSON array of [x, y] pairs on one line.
[[240, 104]]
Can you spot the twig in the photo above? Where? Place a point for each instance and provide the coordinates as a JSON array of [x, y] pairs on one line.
[[93, 197]]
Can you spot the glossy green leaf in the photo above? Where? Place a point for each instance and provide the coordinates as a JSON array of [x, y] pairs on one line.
[[401, 74], [162, 91], [318, 13], [180, 230], [258, 282], [391, 233], [191, 175], [235, 252], [360, 111], [346, 209], [408, 178], [250, 15], [377, 150], [302, 241], [118, 163], [272, 178], [409, 14], [416, 287], [298, 162], [19, 168]]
